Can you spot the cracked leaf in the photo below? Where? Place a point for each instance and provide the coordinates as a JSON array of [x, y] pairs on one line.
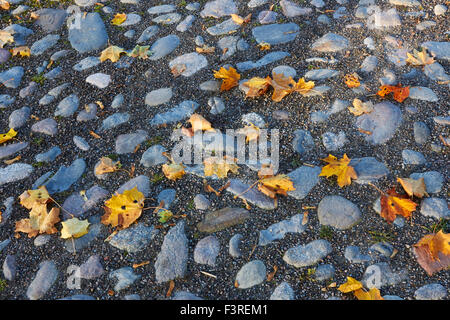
[[372, 294], [279, 184], [303, 87], [352, 80], [199, 123], [141, 52], [400, 93]]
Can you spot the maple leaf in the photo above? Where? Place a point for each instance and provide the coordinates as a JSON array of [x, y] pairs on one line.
[[23, 51], [141, 52], [372, 294], [199, 123], [360, 107], [393, 204], [230, 78], [112, 53], [351, 285], [74, 228], [173, 171], [303, 87], [419, 58], [413, 187], [400, 93], [220, 166], [340, 168], [256, 87], [107, 165], [5, 37], [123, 209], [239, 20], [118, 19], [282, 86], [433, 252], [7, 136], [279, 184], [352, 80]]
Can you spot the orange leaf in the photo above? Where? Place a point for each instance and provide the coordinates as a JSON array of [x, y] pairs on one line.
[[339, 168], [400, 93], [393, 204], [352, 80], [282, 86], [256, 87], [230, 78]]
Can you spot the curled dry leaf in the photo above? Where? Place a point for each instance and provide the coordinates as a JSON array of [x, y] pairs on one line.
[[229, 78], [282, 86], [256, 87], [263, 46], [205, 49], [239, 20], [140, 52], [393, 204], [433, 252], [121, 210], [279, 184], [419, 58], [119, 18], [340, 168], [303, 87], [173, 171], [400, 93], [414, 187], [199, 123], [251, 132]]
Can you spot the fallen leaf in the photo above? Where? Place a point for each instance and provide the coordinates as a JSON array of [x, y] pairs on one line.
[[229, 78], [164, 215], [400, 93], [436, 243], [360, 107], [419, 58], [123, 209], [5, 37], [263, 46], [352, 80], [239, 20], [4, 5], [431, 254], [178, 69], [271, 275], [11, 161], [137, 265], [74, 228], [266, 171], [205, 49], [171, 287], [220, 166], [279, 184], [351, 285], [141, 52], [393, 204], [118, 19], [22, 51], [199, 123], [112, 53], [372, 294], [251, 132], [303, 87], [414, 187], [7, 136], [96, 136], [340, 168], [282, 86], [107, 165], [173, 171], [256, 87]]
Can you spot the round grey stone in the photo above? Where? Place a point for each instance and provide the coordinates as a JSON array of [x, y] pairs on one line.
[[338, 212]]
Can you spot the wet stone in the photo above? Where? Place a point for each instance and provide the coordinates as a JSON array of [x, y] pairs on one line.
[[67, 106], [114, 121], [251, 274], [9, 267], [225, 27], [190, 63], [330, 43], [81, 143], [50, 20], [305, 179], [100, 80], [184, 110], [380, 275], [201, 202], [222, 219], [324, 272], [159, 96], [413, 157], [12, 77], [65, 177], [307, 255], [252, 196], [421, 132], [89, 35], [40, 46], [338, 212], [15, 172], [142, 183], [134, 238], [219, 8], [332, 141], [84, 241], [79, 205], [168, 18], [164, 46], [207, 250], [12, 149], [290, 9], [368, 169], [321, 74], [353, 255]]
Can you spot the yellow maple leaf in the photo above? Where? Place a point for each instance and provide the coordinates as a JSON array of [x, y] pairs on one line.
[[372, 294], [7, 136], [229, 78], [74, 228], [173, 171], [303, 87], [256, 87], [118, 19], [123, 209], [112, 53], [414, 187], [220, 166], [282, 86], [339, 168], [351, 285], [419, 58]]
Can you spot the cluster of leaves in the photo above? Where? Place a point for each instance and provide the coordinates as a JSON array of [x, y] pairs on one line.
[[114, 53], [257, 86], [354, 286]]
